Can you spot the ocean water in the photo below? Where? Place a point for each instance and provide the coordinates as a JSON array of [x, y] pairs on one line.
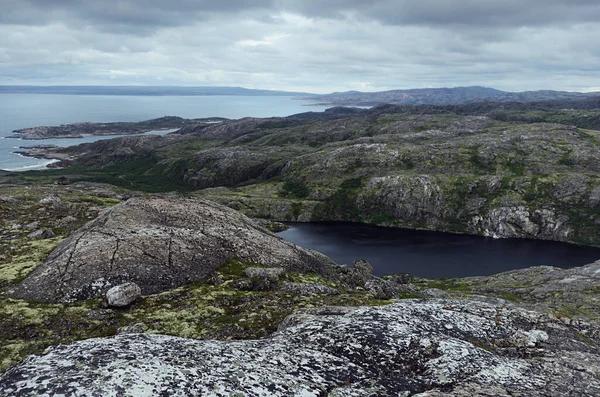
[[30, 110]]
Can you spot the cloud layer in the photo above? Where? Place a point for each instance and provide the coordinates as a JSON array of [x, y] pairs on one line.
[[309, 45]]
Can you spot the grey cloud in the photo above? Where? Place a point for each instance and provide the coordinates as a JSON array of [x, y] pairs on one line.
[[129, 15], [302, 45], [509, 13]]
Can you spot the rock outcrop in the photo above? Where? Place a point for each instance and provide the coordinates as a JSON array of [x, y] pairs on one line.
[[511, 222], [570, 293], [414, 347], [159, 243]]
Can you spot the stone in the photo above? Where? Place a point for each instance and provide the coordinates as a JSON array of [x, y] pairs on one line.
[[243, 284], [101, 314], [528, 338], [434, 293], [123, 295], [401, 278], [383, 289], [314, 313], [432, 347], [521, 222], [264, 279], [65, 221], [272, 273], [160, 243], [63, 180], [546, 288], [41, 234], [33, 225], [8, 199], [305, 289], [50, 200], [360, 273], [138, 328]]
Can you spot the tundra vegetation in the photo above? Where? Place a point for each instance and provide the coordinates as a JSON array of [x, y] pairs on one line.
[[525, 172]]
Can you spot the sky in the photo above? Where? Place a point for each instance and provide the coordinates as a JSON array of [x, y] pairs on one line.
[[315, 46]]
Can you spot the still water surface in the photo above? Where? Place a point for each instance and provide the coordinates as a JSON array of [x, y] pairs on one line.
[[433, 254]]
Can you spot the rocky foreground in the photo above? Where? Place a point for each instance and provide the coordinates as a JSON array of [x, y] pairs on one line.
[[145, 298], [414, 347]]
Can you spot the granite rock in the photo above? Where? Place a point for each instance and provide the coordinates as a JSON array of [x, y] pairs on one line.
[[413, 347], [160, 243]]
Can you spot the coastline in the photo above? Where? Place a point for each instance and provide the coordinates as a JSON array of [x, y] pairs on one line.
[[34, 167]]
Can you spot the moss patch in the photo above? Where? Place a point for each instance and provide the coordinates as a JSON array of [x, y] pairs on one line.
[[19, 263], [199, 310]]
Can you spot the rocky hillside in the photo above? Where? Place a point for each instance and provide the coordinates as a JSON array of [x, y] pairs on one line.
[[457, 171]]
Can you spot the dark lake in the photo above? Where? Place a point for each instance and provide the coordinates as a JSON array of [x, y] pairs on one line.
[[433, 254]]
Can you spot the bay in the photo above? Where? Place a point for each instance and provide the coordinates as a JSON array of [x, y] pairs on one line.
[[30, 110]]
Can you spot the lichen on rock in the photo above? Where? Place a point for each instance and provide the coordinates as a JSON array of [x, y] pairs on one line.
[[160, 243], [415, 347]]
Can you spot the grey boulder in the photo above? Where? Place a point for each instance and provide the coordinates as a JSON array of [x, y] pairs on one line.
[[159, 242], [360, 273], [123, 294], [41, 234]]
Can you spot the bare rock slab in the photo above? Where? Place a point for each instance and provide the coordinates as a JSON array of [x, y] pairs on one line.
[[409, 348], [159, 243]]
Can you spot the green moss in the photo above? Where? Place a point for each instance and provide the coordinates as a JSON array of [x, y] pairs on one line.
[[572, 311], [449, 285], [342, 204], [147, 172], [566, 159], [31, 254], [28, 327], [382, 218], [103, 201], [510, 297], [295, 188], [235, 267], [308, 278]]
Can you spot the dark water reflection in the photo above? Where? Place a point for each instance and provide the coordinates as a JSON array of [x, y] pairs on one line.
[[433, 254]]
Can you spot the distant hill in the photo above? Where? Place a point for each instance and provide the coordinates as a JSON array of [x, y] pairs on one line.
[[141, 90], [442, 96], [418, 96]]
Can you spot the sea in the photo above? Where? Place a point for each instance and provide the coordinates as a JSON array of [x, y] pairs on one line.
[[31, 110]]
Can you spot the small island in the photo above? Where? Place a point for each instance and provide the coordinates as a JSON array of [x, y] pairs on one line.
[[79, 130]]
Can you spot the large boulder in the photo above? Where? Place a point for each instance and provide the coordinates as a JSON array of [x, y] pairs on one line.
[[159, 242], [413, 347]]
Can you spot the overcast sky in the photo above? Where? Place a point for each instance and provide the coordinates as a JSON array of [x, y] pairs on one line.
[[303, 45]]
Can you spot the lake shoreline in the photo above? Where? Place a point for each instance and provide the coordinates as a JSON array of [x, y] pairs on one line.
[[433, 254]]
